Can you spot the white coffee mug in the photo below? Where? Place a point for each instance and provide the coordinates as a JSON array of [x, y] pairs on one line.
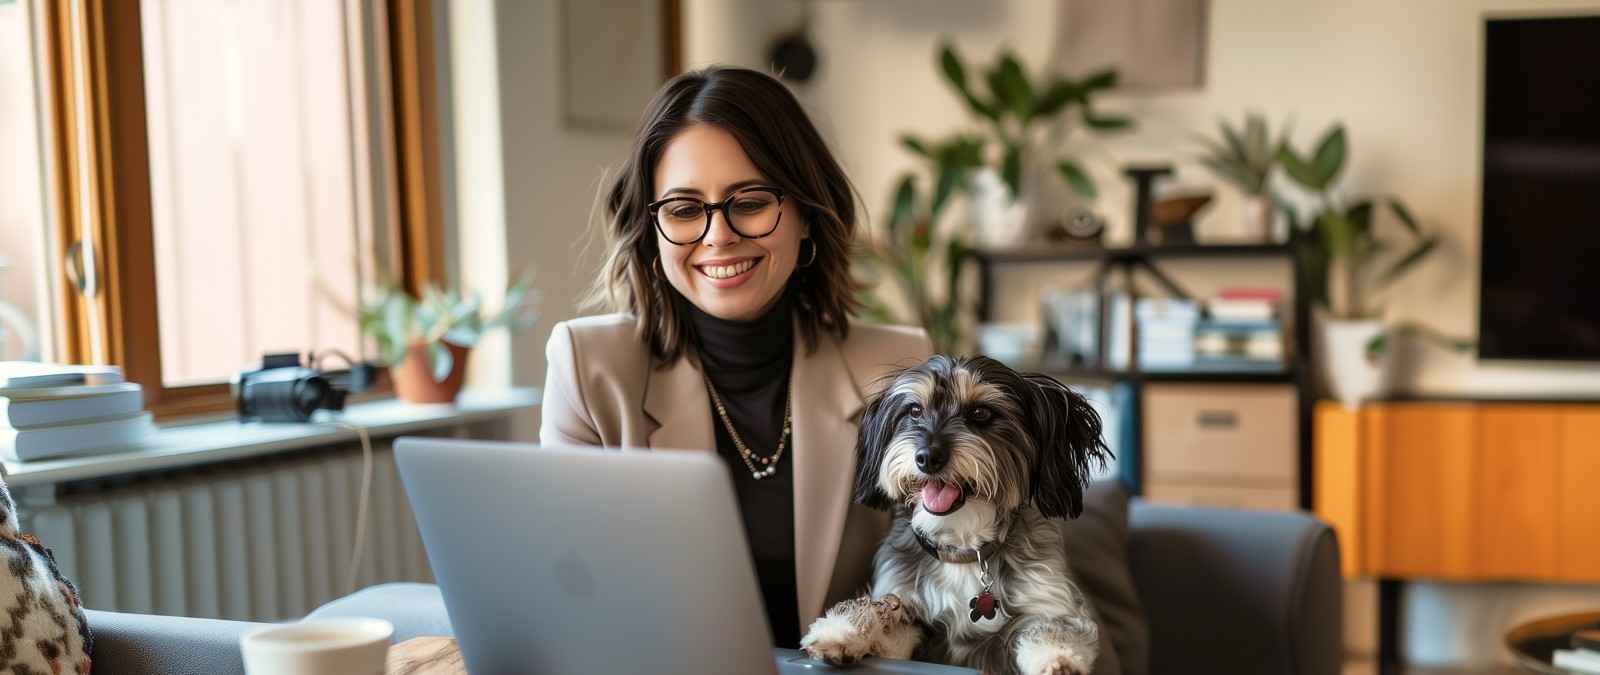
[[318, 647]]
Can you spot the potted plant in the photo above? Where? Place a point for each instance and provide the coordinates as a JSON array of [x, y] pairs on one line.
[[1245, 158], [1025, 119], [913, 253], [1343, 262], [426, 341], [924, 260]]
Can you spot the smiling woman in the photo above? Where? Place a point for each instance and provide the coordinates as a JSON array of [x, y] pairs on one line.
[[729, 274]]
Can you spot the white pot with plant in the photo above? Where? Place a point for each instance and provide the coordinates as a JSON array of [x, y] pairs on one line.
[[1343, 264], [1027, 121], [426, 341], [1245, 158]]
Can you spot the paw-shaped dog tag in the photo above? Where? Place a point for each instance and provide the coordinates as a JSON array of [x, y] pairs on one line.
[[983, 606]]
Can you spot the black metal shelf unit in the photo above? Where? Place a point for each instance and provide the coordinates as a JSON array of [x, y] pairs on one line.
[[1128, 260]]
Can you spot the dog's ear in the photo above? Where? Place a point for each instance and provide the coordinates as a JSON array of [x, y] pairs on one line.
[[1067, 431], [876, 431]]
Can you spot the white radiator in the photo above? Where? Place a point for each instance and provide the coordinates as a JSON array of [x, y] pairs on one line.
[[267, 540]]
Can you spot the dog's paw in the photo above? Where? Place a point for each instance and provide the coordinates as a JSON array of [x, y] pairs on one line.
[[1052, 660], [837, 641]]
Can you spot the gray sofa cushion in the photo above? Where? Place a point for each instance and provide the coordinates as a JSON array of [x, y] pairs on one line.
[[414, 609], [1097, 547]]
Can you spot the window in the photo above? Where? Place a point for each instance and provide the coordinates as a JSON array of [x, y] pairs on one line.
[[24, 297], [255, 160], [230, 177]]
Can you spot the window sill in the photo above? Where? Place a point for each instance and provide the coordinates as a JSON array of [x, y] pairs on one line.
[[178, 445]]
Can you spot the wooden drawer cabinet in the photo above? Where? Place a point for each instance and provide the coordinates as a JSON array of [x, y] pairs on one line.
[[1222, 496], [1231, 446], [1463, 491]]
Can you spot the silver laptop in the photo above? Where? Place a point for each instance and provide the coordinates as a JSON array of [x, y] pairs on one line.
[[576, 560]]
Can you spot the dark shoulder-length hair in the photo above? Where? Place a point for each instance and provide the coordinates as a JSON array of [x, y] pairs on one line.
[[780, 140]]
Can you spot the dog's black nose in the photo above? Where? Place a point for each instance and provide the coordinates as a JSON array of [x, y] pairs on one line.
[[932, 456]]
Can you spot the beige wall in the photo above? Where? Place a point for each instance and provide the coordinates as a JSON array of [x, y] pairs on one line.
[[525, 183], [1404, 77]]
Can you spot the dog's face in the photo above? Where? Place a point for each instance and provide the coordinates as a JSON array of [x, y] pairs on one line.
[[955, 431]]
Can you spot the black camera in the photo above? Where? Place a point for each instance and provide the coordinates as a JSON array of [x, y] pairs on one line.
[[283, 390]]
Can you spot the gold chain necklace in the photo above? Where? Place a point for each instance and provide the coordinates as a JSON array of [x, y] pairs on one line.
[[768, 465]]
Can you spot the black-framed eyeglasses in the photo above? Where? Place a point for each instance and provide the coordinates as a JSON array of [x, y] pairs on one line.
[[752, 212]]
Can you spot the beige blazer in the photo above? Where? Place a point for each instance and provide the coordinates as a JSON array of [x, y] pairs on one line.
[[604, 388]]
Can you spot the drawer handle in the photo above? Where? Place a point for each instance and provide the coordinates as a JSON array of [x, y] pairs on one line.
[[1218, 419]]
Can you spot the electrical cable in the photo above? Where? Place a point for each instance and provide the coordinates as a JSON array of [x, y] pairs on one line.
[[361, 508]]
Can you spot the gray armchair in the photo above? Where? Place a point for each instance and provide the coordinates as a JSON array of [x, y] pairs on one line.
[[1225, 591]]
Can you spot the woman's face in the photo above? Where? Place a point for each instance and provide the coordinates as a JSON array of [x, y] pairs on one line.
[[725, 274]]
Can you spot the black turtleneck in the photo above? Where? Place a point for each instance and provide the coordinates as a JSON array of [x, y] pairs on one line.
[[749, 363]]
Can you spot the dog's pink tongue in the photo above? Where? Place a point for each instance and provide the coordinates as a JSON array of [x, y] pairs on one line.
[[938, 496]]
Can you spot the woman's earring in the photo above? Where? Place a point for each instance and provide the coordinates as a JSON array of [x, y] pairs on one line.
[[813, 259]]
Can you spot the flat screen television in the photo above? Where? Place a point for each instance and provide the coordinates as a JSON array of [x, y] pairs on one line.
[[1539, 295]]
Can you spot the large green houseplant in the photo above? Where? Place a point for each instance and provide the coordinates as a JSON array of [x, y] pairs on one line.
[[1346, 262], [1022, 125], [425, 341]]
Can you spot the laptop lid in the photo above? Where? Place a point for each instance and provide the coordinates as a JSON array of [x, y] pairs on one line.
[[581, 560]]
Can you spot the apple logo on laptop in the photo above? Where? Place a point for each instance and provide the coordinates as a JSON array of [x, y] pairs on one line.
[[573, 576]]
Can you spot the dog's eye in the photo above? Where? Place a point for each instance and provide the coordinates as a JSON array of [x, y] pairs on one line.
[[914, 411], [979, 414]]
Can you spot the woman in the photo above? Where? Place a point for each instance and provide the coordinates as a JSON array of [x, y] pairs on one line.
[[730, 228]]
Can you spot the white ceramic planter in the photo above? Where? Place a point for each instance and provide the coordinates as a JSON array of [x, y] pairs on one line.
[[1347, 373], [998, 220]]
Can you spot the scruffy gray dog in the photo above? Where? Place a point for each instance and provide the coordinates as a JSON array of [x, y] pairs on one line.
[[44, 630], [973, 458]]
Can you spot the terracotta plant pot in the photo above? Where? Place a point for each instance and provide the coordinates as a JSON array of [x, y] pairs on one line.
[[413, 380]]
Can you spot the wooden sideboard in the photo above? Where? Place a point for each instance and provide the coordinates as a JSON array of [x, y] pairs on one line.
[[1462, 491]]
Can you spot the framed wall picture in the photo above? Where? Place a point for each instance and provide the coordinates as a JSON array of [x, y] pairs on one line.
[[614, 55], [1155, 45]]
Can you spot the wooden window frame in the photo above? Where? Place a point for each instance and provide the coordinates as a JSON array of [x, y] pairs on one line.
[[100, 192]]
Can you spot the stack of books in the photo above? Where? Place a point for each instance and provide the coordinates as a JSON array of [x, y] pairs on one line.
[[1242, 330], [51, 410], [1584, 657], [1166, 333]]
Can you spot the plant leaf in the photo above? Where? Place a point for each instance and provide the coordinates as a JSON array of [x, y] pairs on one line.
[[1235, 142], [949, 178], [905, 205], [1329, 157], [955, 72], [1015, 89], [1404, 214], [1075, 176], [1231, 172], [1360, 214], [1011, 169], [440, 362], [1102, 79], [1338, 234], [955, 255], [1055, 97], [1258, 148], [1313, 267], [915, 145], [397, 310], [1376, 346], [1105, 122], [1405, 264], [1298, 169]]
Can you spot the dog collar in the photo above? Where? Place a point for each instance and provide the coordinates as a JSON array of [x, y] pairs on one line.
[[958, 555]]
